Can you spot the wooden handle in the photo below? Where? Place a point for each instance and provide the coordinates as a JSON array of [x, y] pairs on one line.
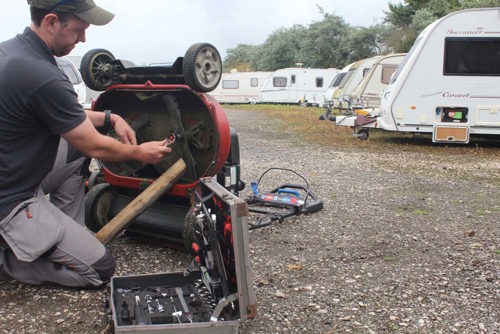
[[141, 202]]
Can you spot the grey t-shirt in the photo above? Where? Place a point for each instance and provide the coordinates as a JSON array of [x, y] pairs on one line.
[[37, 104]]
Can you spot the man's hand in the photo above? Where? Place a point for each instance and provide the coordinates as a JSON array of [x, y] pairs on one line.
[[123, 130], [152, 152], [87, 140]]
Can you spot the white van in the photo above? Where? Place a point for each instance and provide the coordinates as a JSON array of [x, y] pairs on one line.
[[74, 76]]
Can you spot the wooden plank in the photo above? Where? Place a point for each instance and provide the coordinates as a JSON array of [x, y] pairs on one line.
[[135, 208]]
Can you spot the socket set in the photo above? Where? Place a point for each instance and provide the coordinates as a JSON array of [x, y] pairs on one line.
[[148, 305], [215, 292]]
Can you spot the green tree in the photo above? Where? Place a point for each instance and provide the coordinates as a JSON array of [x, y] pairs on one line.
[[463, 4], [408, 19], [281, 49], [365, 43], [399, 15], [325, 43], [241, 58]]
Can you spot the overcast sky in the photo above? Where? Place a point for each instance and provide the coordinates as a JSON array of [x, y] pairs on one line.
[[151, 31]]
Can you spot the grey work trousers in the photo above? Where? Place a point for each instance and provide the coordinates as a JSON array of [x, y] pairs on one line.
[[77, 258]]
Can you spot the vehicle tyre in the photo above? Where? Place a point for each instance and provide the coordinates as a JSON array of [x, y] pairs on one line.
[[97, 204], [202, 67], [96, 69], [363, 134], [188, 231]]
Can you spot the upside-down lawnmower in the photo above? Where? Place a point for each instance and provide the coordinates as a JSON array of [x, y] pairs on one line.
[[161, 102]]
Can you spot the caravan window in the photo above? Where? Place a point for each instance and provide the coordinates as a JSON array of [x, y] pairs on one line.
[[254, 82], [319, 82], [292, 79], [365, 71], [279, 81], [230, 84], [387, 71], [472, 56], [346, 79], [338, 78]]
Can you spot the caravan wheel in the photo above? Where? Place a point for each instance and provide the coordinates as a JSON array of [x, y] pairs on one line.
[[363, 134]]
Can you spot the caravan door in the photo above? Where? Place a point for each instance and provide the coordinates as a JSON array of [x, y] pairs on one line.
[[293, 88]]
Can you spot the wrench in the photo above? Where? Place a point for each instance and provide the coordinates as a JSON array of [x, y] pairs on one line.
[[176, 313], [185, 307]]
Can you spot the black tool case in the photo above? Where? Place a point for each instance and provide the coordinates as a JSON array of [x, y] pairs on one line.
[[215, 292]]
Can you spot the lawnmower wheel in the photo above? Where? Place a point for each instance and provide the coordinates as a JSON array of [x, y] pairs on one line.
[[96, 69], [97, 204], [202, 67], [188, 231]]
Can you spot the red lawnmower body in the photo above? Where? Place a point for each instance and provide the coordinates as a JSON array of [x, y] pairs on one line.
[[200, 107]]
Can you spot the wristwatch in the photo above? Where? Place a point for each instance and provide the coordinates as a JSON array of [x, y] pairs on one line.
[[107, 119]]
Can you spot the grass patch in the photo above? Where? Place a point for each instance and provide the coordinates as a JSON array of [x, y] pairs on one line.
[[419, 212], [304, 121], [392, 326], [481, 212]]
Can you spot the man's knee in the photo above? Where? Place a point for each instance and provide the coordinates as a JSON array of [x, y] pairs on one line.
[[105, 266]]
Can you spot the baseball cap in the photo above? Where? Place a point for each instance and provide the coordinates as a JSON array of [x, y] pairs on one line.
[[87, 10]]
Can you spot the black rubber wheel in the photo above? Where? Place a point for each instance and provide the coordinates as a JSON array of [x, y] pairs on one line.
[[94, 179], [96, 69], [363, 134], [188, 231], [97, 204], [202, 67]]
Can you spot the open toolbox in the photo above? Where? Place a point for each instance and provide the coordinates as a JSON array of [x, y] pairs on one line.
[[214, 294]]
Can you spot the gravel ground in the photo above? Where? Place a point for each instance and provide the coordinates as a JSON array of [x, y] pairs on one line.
[[407, 242]]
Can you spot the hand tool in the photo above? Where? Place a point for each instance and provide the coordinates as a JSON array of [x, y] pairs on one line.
[[170, 138], [176, 313], [185, 307], [159, 306], [124, 312], [149, 304], [140, 317]]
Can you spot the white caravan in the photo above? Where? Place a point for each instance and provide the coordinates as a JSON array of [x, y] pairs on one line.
[[240, 87], [306, 86], [367, 93], [357, 71], [335, 83], [448, 84]]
